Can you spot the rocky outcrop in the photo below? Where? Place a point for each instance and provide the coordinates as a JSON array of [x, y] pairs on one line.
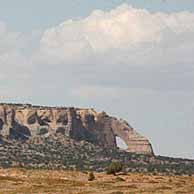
[[22, 122]]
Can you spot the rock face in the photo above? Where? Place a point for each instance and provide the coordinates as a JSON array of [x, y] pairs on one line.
[[22, 122]]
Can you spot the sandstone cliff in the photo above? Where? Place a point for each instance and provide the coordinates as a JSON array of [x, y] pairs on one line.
[[23, 122]]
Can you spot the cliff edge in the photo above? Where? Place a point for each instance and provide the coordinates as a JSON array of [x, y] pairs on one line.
[[23, 122]]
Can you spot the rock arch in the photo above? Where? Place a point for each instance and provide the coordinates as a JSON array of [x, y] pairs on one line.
[[134, 141]]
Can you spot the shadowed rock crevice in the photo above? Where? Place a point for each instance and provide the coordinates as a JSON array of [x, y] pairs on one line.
[[42, 131], [32, 119], [80, 132], [1, 124], [19, 132]]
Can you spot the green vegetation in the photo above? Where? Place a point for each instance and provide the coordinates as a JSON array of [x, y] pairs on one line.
[[91, 176], [49, 153], [114, 168], [119, 179], [117, 192]]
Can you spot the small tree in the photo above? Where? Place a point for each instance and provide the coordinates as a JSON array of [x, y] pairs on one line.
[[91, 176], [114, 168]]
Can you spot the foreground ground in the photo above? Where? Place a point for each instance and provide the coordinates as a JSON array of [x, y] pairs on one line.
[[21, 181]]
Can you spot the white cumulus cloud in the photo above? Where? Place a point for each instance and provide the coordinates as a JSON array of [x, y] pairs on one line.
[[122, 28]]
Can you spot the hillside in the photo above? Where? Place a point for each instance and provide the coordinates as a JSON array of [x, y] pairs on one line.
[[37, 137]]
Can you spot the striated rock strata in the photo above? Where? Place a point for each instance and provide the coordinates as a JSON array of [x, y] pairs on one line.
[[23, 122]]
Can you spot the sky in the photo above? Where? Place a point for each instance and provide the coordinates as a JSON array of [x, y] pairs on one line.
[[132, 59]]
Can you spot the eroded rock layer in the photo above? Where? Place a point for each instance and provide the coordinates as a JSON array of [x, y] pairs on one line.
[[22, 122]]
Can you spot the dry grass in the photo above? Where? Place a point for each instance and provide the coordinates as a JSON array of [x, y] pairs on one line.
[[21, 181]]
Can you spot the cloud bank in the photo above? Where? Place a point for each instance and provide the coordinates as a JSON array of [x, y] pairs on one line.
[[122, 29], [127, 41]]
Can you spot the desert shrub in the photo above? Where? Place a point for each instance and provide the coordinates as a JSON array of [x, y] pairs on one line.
[[91, 176], [117, 192], [114, 168], [42, 131], [119, 179]]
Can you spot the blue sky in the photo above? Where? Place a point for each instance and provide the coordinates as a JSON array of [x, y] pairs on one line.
[[132, 59], [25, 15]]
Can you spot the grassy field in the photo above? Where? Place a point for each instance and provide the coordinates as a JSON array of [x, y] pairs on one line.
[[22, 181]]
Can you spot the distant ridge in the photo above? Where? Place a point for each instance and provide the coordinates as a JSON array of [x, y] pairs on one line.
[[23, 121]]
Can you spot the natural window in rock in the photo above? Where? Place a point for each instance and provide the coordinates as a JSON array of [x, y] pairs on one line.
[[120, 143]]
